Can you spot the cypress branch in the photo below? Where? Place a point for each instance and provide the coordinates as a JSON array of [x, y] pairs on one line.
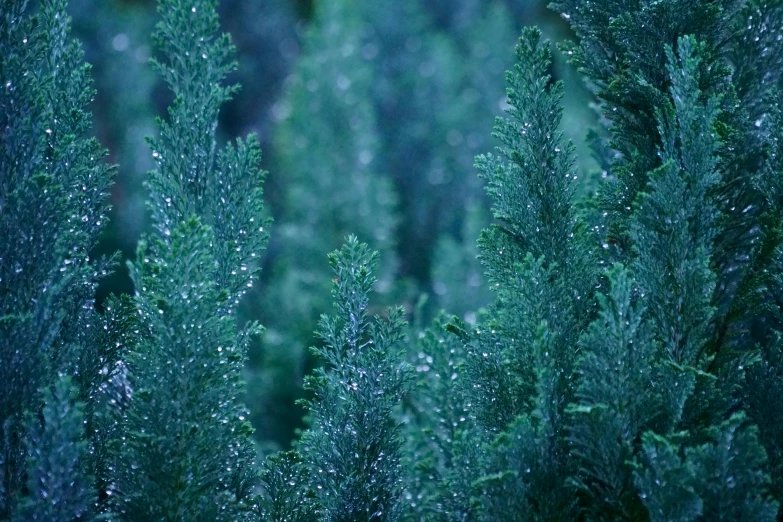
[[353, 447], [54, 190], [188, 454], [60, 488], [539, 263]]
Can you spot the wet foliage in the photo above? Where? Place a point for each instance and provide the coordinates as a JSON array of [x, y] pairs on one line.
[[609, 345]]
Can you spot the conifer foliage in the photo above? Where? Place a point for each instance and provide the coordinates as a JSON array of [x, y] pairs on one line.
[[333, 185], [521, 358], [616, 362], [53, 204], [286, 482], [188, 454], [625, 403], [56, 468], [766, 378], [629, 368], [353, 447], [442, 451]]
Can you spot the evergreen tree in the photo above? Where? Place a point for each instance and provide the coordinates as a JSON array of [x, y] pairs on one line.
[[761, 80], [59, 486], [353, 446], [416, 98], [328, 146], [521, 357], [431, 98], [621, 54], [765, 379], [441, 436], [285, 480], [633, 416], [674, 227], [687, 213], [53, 205], [629, 367], [633, 86], [614, 402], [187, 452]]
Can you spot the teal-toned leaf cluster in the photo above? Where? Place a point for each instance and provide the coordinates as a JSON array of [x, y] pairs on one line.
[[628, 368], [58, 482], [353, 445], [375, 135], [285, 479], [187, 452], [441, 434], [54, 189], [618, 394]]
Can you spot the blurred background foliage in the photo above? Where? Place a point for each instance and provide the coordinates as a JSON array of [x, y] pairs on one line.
[[369, 114]]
